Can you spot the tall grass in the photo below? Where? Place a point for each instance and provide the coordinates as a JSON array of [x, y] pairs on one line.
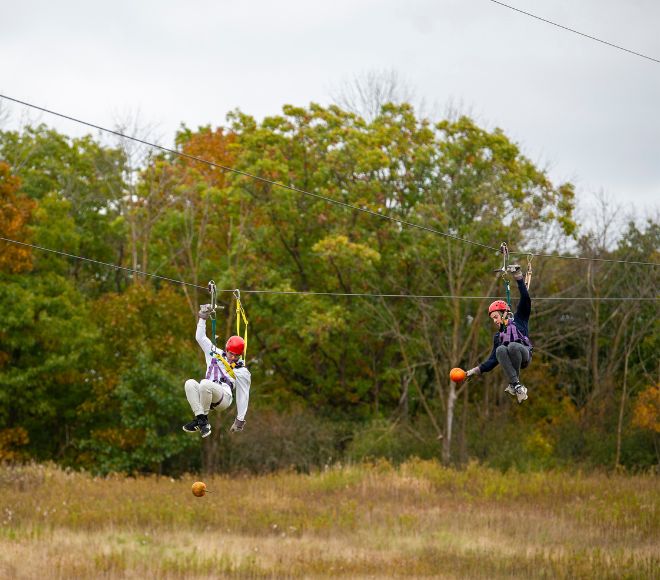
[[417, 519]]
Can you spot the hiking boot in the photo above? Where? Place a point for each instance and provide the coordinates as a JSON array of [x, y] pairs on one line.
[[204, 426], [511, 389], [192, 427], [521, 393]]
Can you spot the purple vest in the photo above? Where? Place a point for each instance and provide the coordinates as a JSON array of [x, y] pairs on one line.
[[512, 334], [217, 372]]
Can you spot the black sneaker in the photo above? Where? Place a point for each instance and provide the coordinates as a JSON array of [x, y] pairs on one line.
[[192, 427], [203, 426]]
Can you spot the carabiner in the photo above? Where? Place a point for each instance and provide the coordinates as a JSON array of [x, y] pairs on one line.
[[504, 250], [212, 289], [528, 275]]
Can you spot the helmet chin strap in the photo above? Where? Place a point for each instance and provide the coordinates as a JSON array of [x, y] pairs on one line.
[[505, 318]]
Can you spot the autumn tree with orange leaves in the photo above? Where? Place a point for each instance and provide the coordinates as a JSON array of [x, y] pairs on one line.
[[15, 213]]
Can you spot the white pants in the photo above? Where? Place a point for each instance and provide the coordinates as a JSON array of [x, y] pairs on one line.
[[201, 394]]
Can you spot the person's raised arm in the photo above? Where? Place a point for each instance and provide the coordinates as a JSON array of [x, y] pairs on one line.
[[200, 334], [524, 309]]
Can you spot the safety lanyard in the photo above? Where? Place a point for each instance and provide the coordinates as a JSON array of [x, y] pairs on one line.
[[213, 291], [240, 316], [504, 250]]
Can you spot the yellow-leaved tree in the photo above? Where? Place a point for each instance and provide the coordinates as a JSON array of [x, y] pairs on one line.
[[15, 212]]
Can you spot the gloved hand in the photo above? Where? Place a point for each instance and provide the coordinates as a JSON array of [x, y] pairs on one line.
[[472, 372], [515, 270], [237, 426], [205, 311]]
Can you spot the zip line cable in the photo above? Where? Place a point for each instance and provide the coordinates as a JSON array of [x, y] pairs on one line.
[[311, 293], [437, 296], [102, 263], [299, 190], [575, 31], [250, 175], [583, 258]]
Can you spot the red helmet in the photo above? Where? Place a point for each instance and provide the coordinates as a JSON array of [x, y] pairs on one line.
[[235, 345], [498, 305]]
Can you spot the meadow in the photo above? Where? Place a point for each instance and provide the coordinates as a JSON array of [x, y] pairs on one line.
[[419, 519]]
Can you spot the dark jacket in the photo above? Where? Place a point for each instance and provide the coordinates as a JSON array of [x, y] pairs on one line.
[[520, 319]]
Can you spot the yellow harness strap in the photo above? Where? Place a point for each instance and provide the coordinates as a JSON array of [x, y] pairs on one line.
[[240, 315], [229, 367]]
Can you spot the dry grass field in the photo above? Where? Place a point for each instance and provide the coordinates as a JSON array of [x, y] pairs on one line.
[[376, 521]]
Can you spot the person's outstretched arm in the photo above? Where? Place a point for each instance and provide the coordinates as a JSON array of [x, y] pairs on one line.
[[489, 364]]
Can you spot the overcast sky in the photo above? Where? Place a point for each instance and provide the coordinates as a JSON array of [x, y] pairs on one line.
[[587, 112]]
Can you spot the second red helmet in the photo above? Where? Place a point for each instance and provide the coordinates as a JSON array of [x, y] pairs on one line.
[[498, 305], [235, 345]]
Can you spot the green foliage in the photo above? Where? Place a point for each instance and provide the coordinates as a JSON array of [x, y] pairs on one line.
[[48, 344], [101, 356], [146, 433], [79, 184]]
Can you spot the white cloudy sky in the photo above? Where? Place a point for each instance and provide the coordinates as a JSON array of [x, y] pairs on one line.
[[587, 112]]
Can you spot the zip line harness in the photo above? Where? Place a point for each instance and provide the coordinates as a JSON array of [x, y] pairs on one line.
[[240, 316]]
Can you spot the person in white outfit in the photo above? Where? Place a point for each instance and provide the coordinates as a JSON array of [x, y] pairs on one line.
[[226, 372]]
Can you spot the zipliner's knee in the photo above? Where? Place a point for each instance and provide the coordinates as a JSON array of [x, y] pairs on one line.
[[205, 387], [191, 385], [502, 351]]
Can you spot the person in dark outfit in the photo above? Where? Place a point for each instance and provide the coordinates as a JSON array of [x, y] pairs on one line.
[[511, 345]]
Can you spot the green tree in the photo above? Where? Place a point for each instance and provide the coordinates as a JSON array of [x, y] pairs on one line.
[[48, 344], [79, 185]]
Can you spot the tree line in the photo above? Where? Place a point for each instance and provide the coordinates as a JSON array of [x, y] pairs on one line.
[[93, 359]]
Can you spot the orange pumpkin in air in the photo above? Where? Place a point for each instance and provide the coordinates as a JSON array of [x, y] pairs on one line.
[[457, 375], [199, 488]]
